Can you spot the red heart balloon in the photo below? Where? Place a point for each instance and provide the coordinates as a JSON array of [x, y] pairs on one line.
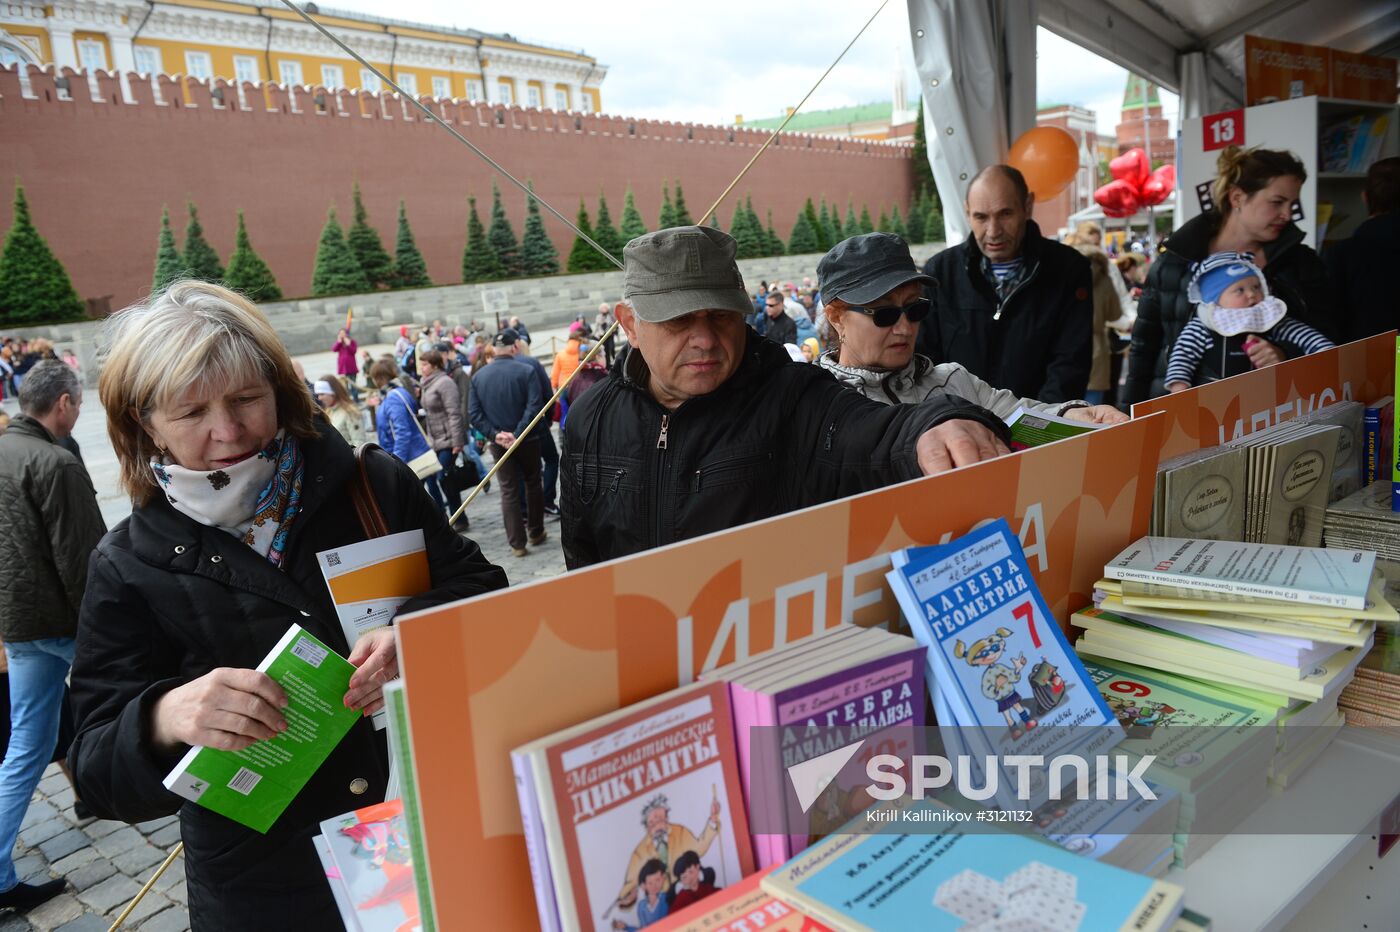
[[1117, 198], [1132, 166], [1159, 186]]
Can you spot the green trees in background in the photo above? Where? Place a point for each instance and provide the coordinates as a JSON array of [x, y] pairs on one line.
[[336, 271], [247, 272], [479, 260], [34, 286], [749, 238], [168, 262], [502, 235], [410, 271], [852, 227], [200, 260], [583, 257], [804, 236], [668, 210], [605, 234], [365, 244], [865, 225], [537, 253], [917, 216], [682, 212], [775, 242], [632, 225]]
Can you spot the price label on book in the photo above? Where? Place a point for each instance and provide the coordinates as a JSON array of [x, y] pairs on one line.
[[1222, 129]]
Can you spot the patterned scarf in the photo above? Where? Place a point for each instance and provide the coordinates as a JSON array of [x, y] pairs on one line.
[[255, 500]]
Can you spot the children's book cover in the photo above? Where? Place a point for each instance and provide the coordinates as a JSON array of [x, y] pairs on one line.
[[953, 880], [649, 812], [371, 850], [743, 907], [996, 653]]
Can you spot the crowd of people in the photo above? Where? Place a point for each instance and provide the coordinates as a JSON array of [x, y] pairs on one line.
[[705, 407]]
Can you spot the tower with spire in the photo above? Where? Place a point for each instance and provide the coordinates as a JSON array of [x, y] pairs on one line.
[[1142, 124]]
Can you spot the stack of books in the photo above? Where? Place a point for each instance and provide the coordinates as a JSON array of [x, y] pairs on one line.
[[1363, 520], [1373, 696], [1210, 745], [1294, 621], [1135, 834], [849, 684]]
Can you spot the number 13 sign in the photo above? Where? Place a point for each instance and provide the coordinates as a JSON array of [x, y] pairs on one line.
[[1223, 129]]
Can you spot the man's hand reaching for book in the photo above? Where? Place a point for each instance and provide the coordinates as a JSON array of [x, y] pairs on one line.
[[376, 656]]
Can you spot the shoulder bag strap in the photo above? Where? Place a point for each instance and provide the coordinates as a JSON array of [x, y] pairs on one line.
[[362, 495]]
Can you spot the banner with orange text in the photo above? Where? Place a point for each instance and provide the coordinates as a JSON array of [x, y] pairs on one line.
[[487, 674], [1212, 414]]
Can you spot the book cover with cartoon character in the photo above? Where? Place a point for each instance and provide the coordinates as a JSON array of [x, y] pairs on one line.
[[371, 850], [1006, 672], [644, 810]]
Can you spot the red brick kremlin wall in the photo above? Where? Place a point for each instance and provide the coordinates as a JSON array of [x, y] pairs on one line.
[[97, 171]]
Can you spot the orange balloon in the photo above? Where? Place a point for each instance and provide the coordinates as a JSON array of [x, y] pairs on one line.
[[1048, 157]]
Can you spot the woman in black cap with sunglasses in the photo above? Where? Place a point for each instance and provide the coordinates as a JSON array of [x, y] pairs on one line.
[[875, 301]]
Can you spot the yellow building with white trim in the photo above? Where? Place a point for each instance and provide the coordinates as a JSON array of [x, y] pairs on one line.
[[232, 39]]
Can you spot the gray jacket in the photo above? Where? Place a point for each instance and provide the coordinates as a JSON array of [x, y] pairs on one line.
[[49, 526], [921, 380], [443, 404]]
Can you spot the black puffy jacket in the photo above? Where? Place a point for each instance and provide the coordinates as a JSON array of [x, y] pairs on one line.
[[1039, 343], [1363, 268], [1294, 272], [777, 436], [167, 601]]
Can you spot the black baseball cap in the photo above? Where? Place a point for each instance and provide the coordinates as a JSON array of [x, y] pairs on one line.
[[862, 268], [506, 337]]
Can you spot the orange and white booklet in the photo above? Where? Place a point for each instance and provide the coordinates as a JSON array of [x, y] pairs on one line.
[[368, 582]]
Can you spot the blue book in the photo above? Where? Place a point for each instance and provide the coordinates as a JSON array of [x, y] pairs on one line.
[[946, 879], [1376, 427], [1002, 670]]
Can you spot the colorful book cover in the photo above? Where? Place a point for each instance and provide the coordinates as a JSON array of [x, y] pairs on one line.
[[255, 785], [1377, 427], [646, 810], [401, 754], [1307, 575], [338, 893], [880, 700], [998, 655], [371, 850], [743, 907], [951, 880]]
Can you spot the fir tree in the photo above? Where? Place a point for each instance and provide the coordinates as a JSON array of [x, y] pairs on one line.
[[775, 242], [410, 271], [883, 224], [502, 235], [804, 237], [200, 259], [336, 271], [479, 261], [583, 257], [537, 253], [865, 225], [714, 221], [923, 171], [756, 225], [852, 227], [749, 239], [813, 221], [632, 225], [933, 223], [33, 283], [247, 272], [897, 224], [682, 212], [826, 232], [668, 211], [168, 262], [916, 219], [365, 243], [605, 234]]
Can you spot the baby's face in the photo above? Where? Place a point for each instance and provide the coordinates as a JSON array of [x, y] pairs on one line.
[[1246, 292]]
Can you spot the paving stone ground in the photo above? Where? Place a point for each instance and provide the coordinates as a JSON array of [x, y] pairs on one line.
[[105, 863]]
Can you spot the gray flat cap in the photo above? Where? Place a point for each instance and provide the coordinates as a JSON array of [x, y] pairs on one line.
[[677, 271]]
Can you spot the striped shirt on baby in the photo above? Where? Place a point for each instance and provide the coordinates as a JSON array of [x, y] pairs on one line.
[[1198, 343]]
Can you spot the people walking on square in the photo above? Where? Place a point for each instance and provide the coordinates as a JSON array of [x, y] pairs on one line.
[[506, 395], [49, 526], [447, 432], [344, 348]]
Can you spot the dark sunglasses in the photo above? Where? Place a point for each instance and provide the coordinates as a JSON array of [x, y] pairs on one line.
[[883, 317]]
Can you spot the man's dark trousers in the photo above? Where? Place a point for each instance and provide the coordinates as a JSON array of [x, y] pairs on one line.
[[524, 464]]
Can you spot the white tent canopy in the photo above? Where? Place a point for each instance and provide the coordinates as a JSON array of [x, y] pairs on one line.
[[976, 60]]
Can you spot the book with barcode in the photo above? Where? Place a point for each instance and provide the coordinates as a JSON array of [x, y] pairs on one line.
[[255, 785]]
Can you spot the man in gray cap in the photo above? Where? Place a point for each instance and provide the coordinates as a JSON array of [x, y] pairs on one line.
[[703, 425], [874, 301]]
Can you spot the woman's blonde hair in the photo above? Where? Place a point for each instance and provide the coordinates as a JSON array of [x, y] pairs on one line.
[[192, 335], [341, 393], [1251, 170]]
